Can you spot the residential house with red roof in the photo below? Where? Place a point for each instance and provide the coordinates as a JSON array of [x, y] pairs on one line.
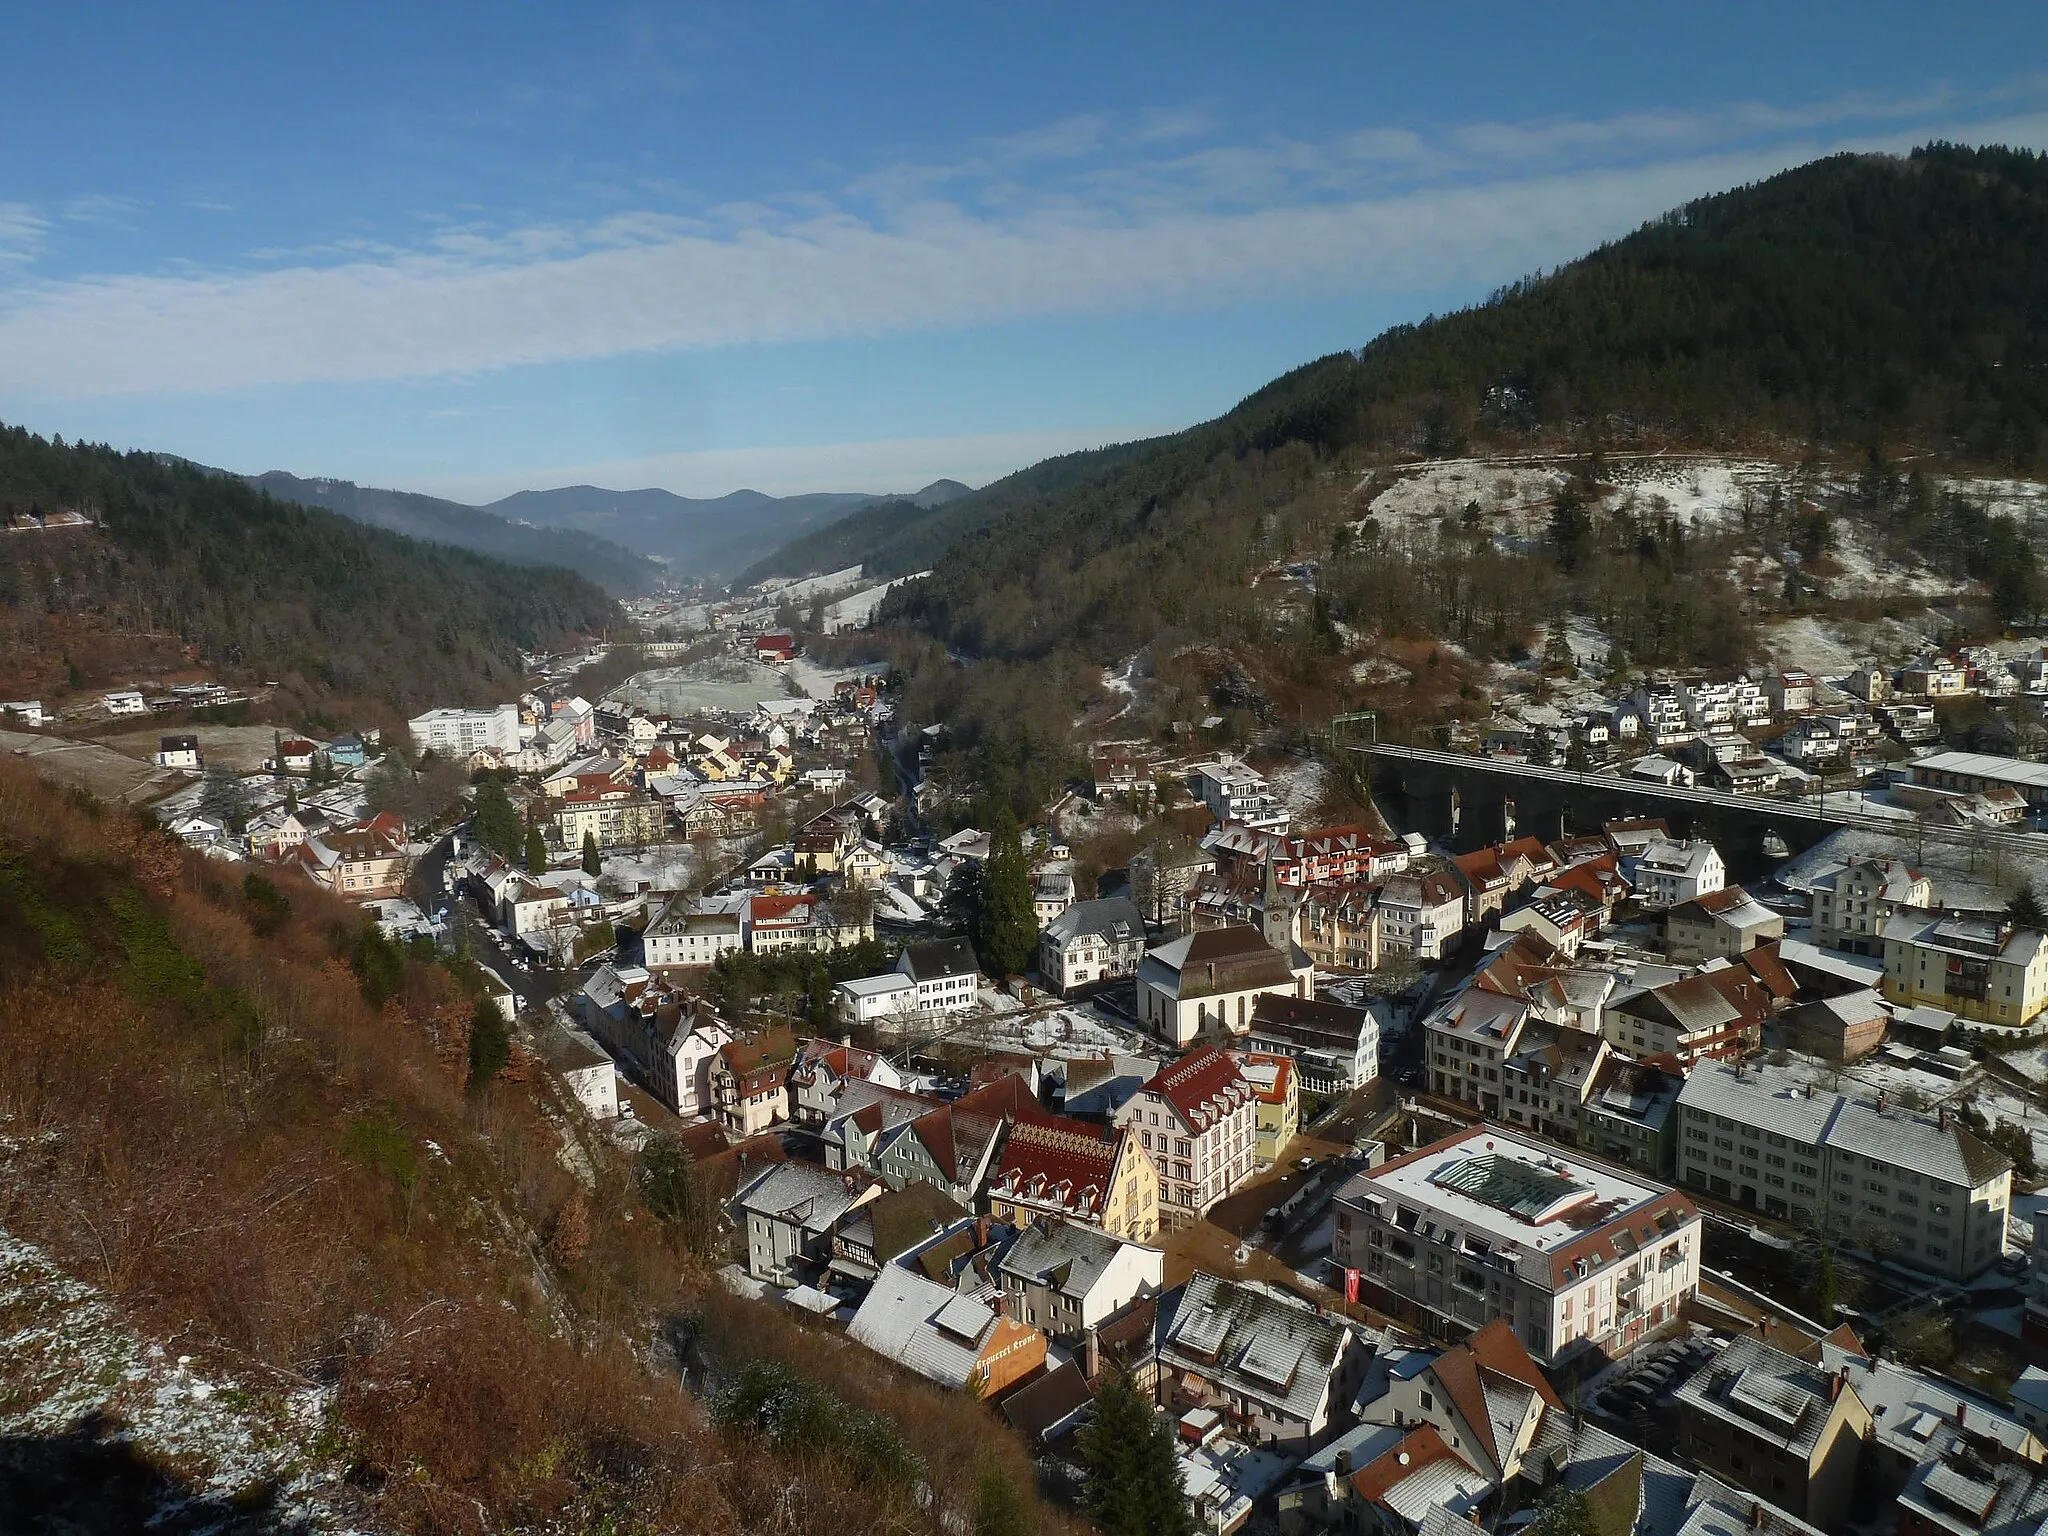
[[1492, 877], [954, 1146], [750, 1082], [1486, 1397], [1199, 1121], [1075, 1170], [365, 861], [665, 1036], [821, 1073]]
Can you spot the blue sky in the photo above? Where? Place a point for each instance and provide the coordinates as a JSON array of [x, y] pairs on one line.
[[469, 249]]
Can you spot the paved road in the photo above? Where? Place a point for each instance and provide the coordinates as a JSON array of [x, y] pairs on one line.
[[470, 928]]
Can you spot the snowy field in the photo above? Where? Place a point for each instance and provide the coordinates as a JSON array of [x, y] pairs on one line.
[[1833, 648], [1515, 494], [1065, 1032], [1962, 876], [729, 685]]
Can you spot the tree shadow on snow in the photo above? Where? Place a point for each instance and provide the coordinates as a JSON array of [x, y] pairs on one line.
[[92, 1481]]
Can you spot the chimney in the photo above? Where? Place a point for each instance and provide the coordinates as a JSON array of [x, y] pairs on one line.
[[1941, 1118], [1756, 1517], [1839, 1381], [1880, 1101], [1961, 1413], [1343, 1463]]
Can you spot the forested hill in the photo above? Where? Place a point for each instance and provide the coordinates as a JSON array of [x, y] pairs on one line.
[[265, 589], [620, 571], [1854, 302]]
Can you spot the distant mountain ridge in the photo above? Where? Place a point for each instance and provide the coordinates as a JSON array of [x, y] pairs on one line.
[[699, 536], [628, 542], [620, 571]]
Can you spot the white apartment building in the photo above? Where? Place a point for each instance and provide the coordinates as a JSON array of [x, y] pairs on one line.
[[1661, 708], [692, 931], [945, 974], [872, 999], [1090, 942], [1921, 1192], [1851, 905], [459, 732], [1487, 1226], [1199, 1122], [1420, 911], [1737, 704], [1666, 873], [1235, 791]]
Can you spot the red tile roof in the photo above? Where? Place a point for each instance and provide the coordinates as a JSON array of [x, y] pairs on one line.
[[1417, 1449], [1202, 1086], [1052, 1160]]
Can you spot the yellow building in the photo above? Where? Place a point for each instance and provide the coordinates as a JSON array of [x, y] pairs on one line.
[[1077, 1171], [1988, 972], [1278, 1091]]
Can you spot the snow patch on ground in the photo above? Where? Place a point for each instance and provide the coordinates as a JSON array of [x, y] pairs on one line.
[[1833, 648], [1865, 570], [1963, 876], [1300, 784], [67, 1358]]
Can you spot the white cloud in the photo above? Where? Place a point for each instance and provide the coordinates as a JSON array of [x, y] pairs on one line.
[[901, 464], [1378, 210], [22, 231], [110, 209]]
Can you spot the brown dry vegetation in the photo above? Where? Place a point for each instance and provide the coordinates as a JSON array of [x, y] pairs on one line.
[[267, 1173]]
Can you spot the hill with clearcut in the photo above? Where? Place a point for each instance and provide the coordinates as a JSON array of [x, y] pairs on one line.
[[1856, 303]]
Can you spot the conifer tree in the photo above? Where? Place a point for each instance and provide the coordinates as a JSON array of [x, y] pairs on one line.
[[1007, 930], [593, 861], [1134, 1482], [490, 1045], [2025, 907], [536, 850]]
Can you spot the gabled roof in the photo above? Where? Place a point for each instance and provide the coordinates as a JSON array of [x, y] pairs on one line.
[[938, 958], [1227, 959], [1255, 1344], [1203, 1086], [1418, 1454], [919, 1323], [801, 1194], [1066, 1256], [1051, 1160], [1115, 919], [894, 1223], [1475, 1371], [1308, 1020]]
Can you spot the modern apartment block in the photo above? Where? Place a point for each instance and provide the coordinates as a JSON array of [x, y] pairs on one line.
[[459, 732], [1486, 1225], [1921, 1192]]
